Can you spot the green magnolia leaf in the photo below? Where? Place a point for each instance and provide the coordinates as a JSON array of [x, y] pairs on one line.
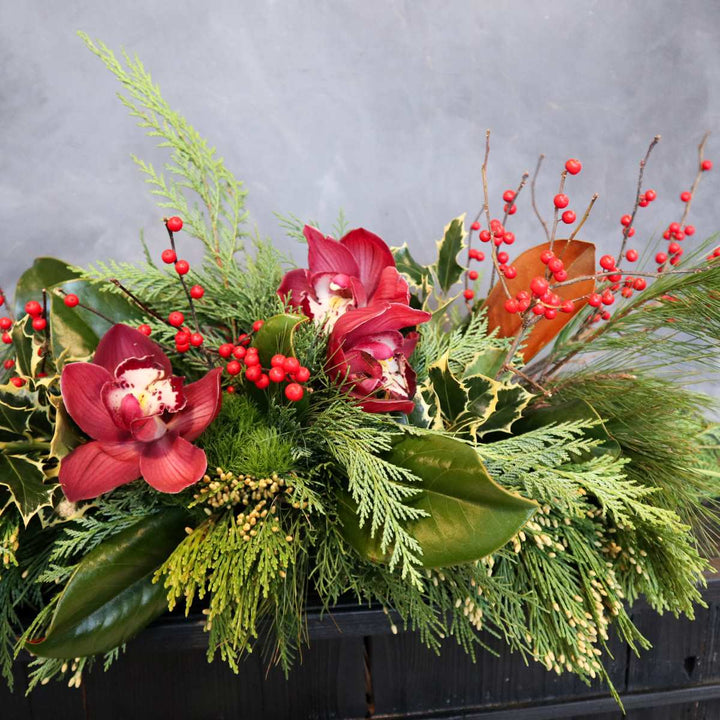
[[542, 415], [75, 332], [26, 481], [419, 275], [276, 336], [470, 516], [447, 269], [111, 596], [45, 272]]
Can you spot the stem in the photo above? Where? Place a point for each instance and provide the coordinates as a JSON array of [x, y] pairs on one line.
[[638, 192], [486, 210], [19, 447], [532, 194], [584, 218], [527, 379], [143, 306], [556, 214], [7, 304], [88, 308], [527, 322]]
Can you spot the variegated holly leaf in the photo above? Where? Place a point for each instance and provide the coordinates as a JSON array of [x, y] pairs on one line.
[[27, 483], [447, 269]]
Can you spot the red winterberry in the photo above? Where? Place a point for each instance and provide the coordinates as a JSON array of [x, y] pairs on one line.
[[484, 236], [197, 291], [510, 272], [569, 217], [508, 238], [253, 373], [509, 196], [625, 220], [561, 275], [674, 248], [9, 364], [639, 283], [643, 201], [252, 359], [262, 382], [511, 305], [573, 166], [561, 201], [469, 294], [302, 374], [674, 227], [182, 267], [685, 196], [176, 318], [539, 286], [546, 257], [294, 392], [257, 325], [230, 389], [497, 228], [18, 382], [169, 256], [538, 309], [145, 329], [239, 352], [2, 300], [39, 323], [196, 339], [607, 262], [503, 257], [174, 224], [474, 254], [233, 367], [661, 258], [555, 265], [666, 235], [6, 338], [706, 165], [475, 226], [5, 323], [594, 300], [277, 360], [630, 232], [291, 365], [473, 274], [607, 297], [510, 209], [689, 229], [33, 307], [631, 255], [226, 350], [650, 195], [605, 315], [568, 306], [276, 374], [626, 292], [550, 313]]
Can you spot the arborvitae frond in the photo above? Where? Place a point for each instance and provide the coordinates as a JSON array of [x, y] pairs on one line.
[[193, 166]]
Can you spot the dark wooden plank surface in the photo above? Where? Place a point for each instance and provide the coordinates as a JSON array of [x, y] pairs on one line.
[[164, 673]]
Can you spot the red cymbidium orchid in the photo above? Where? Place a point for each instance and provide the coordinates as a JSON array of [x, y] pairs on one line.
[[352, 272], [141, 418], [369, 355]]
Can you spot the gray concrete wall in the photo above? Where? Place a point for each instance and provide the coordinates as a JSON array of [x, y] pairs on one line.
[[378, 107]]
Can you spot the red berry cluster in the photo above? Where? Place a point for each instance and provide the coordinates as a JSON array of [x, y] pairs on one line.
[[35, 310], [282, 368], [5, 325]]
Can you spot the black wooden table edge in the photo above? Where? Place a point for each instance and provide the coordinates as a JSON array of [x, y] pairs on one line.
[[574, 708]]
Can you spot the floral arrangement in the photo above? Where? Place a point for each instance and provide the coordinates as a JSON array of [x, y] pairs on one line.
[[244, 439]]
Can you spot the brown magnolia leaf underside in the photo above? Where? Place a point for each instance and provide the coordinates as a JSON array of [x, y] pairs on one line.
[[579, 259]]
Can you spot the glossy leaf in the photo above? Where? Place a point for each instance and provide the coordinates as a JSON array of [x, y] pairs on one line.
[[75, 332], [447, 268], [110, 596], [276, 336], [448, 391], [418, 275], [579, 259], [65, 436], [25, 346], [470, 516], [26, 481], [15, 409], [511, 401], [45, 272]]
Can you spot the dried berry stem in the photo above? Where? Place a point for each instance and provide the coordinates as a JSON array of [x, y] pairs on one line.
[[143, 306], [532, 195]]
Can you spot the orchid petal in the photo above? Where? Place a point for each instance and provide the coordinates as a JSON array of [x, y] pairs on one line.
[[148, 429], [203, 405], [328, 255], [171, 464], [295, 287], [377, 319], [121, 342], [392, 288], [82, 385], [373, 405], [371, 254], [89, 471]]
